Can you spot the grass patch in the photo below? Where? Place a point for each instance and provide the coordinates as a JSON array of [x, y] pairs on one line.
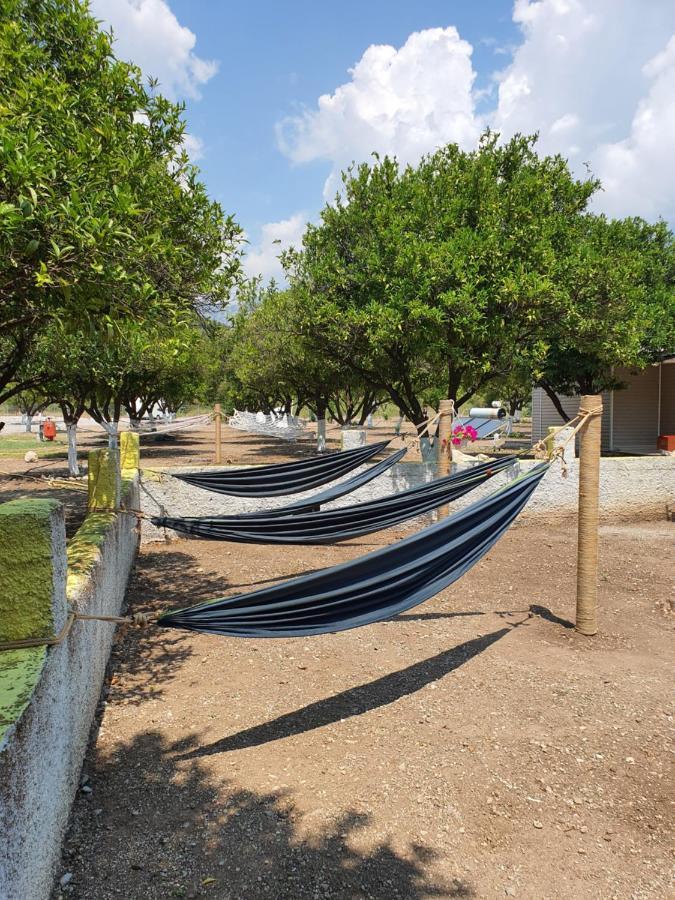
[[14, 446]]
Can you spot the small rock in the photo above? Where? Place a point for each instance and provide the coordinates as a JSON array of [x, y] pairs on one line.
[[510, 891], [65, 879], [537, 824]]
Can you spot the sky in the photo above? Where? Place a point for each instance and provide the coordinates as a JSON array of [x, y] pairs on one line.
[[281, 97]]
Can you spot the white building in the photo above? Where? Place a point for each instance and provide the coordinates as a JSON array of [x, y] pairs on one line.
[[632, 418]]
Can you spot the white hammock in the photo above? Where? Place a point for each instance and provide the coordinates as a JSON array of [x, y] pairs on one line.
[[289, 428]]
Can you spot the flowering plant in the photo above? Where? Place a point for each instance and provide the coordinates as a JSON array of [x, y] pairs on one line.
[[463, 433]]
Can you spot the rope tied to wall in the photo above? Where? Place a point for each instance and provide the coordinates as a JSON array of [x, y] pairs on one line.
[[140, 620]]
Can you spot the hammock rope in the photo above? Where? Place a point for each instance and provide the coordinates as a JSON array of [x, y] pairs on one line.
[[139, 619]]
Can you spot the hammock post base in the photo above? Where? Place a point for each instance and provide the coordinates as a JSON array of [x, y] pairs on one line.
[[589, 496], [218, 415], [446, 410]]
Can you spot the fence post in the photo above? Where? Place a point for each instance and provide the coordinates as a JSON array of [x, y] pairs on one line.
[[218, 420], [104, 482], [446, 409], [130, 451], [589, 497]]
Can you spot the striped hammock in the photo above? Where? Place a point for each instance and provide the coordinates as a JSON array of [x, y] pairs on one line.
[[369, 589]]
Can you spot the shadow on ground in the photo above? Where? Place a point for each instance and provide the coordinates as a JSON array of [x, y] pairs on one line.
[[355, 701], [155, 827], [143, 660]]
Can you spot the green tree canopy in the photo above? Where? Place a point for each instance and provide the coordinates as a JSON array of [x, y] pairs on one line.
[[619, 285], [443, 274], [102, 215], [276, 361]]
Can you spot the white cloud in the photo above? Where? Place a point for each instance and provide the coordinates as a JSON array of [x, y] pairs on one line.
[[148, 33], [194, 146], [262, 259], [637, 173], [405, 102], [595, 79]]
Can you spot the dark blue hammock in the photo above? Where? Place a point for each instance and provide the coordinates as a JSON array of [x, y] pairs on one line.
[[369, 589], [282, 478], [314, 503], [343, 523]]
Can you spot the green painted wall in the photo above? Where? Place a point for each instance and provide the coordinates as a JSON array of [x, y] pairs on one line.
[[19, 673], [26, 582]]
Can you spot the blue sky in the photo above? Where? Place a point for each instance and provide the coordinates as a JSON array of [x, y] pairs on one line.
[[281, 97], [275, 58]]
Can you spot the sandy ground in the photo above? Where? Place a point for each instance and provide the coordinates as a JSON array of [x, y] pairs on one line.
[[476, 747]]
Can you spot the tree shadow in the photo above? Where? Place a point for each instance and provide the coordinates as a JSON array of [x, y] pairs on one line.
[[425, 617], [355, 701], [142, 661], [154, 827]]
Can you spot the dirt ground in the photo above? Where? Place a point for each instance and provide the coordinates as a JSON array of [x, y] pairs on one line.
[[476, 747]]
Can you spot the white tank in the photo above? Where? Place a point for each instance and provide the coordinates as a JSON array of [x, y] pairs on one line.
[[487, 412]]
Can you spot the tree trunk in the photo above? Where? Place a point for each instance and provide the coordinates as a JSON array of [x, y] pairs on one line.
[[111, 431], [71, 431], [29, 423], [555, 400], [320, 424]]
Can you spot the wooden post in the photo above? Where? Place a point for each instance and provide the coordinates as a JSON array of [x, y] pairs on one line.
[[218, 421], [587, 544], [446, 409]]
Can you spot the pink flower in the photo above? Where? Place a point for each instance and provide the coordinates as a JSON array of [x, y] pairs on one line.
[[456, 441]]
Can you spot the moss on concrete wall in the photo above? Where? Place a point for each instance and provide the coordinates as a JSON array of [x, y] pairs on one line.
[[26, 572], [19, 673]]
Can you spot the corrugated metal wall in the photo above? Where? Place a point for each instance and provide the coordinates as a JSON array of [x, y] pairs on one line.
[[633, 410], [545, 415], [636, 412]]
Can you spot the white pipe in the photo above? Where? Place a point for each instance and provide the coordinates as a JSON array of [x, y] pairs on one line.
[[487, 412]]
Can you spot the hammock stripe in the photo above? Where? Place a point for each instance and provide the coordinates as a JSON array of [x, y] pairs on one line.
[[282, 478], [329, 526], [371, 588]]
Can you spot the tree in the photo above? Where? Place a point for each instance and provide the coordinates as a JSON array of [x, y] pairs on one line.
[[275, 358], [441, 274], [619, 280], [102, 216], [30, 403]]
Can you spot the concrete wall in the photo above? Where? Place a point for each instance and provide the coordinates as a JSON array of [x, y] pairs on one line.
[[41, 752], [632, 488]]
